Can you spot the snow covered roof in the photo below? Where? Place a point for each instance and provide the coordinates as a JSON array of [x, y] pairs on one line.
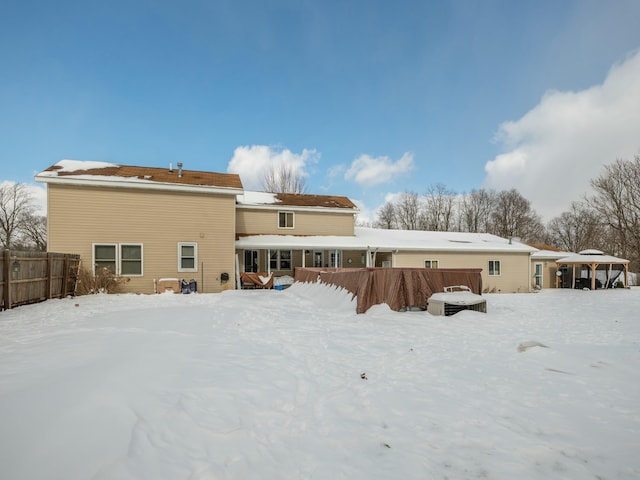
[[599, 258], [110, 174], [550, 254], [372, 238], [250, 199]]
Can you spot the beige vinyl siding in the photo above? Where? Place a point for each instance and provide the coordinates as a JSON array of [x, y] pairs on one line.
[[514, 267], [265, 222], [549, 269], [79, 216]]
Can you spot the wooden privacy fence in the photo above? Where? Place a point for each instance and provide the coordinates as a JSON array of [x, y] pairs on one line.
[[31, 277]]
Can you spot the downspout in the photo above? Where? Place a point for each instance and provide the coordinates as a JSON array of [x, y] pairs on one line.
[[529, 274]]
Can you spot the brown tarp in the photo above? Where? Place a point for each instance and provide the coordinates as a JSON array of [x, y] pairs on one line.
[[254, 278], [397, 287]]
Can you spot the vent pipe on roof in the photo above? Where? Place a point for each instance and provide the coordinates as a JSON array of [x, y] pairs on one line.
[[179, 169], [170, 167]]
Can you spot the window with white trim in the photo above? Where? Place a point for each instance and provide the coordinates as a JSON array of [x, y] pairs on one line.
[[280, 259], [431, 264], [118, 258], [131, 259], [105, 256], [187, 257], [285, 219], [494, 268], [335, 258]]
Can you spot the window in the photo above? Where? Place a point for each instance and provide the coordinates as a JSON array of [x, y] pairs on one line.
[[280, 260], [131, 259], [187, 257], [494, 267], [431, 264], [120, 259], [104, 256], [250, 260], [285, 219], [335, 258]]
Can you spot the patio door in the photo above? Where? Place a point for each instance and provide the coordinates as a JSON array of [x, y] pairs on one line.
[[250, 260], [318, 258], [537, 275], [335, 258]]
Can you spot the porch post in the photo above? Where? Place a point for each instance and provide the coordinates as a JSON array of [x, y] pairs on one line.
[[573, 281], [268, 261], [626, 275], [303, 258], [593, 275]]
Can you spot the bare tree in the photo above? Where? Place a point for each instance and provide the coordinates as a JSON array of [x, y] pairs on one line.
[[577, 229], [283, 178], [34, 232], [386, 216], [438, 208], [408, 211], [475, 210], [617, 201], [16, 207], [513, 216]]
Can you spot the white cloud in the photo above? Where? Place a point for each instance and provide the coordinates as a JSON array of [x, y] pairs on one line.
[[556, 148], [368, 171], [365, 215], [251, 162]]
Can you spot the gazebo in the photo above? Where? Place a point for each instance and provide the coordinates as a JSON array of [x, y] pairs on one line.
[[594, 259]]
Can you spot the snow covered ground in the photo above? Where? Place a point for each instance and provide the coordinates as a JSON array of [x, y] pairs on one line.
[[294, 385]]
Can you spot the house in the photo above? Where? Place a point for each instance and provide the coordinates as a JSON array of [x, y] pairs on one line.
[[148, 224], [505, 265], [144, 223]]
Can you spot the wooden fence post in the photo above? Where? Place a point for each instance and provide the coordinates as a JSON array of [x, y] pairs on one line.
[[65, 277], [6, 274], [49, 275]]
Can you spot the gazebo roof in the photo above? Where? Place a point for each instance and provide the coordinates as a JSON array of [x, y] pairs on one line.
[[591, 258]]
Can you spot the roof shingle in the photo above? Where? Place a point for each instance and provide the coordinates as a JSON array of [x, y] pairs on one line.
[[151, 174]]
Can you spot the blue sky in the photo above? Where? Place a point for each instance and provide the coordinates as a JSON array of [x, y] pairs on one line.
[[365, 98]]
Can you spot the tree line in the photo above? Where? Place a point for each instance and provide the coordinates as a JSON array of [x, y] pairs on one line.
[[608, 219]]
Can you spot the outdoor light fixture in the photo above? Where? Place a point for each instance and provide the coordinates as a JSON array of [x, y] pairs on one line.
[[15, 266]]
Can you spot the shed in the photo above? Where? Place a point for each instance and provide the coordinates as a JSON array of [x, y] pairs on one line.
[[594, 259]]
